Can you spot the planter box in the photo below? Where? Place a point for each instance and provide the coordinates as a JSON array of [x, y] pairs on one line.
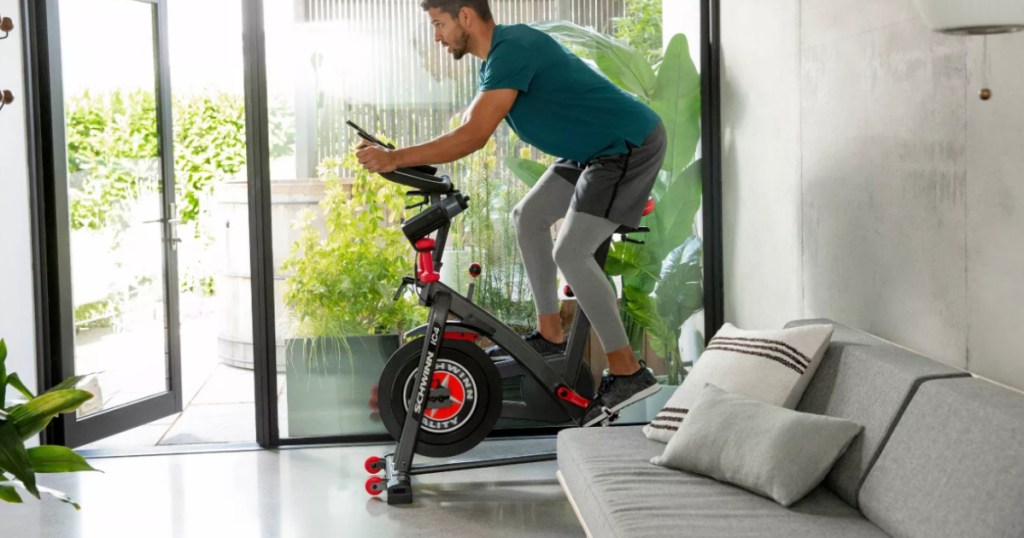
[[329, 384]]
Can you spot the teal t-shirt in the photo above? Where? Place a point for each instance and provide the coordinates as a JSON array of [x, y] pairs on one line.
[[564, 107]]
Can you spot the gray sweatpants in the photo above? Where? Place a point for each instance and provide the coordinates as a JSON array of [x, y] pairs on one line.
[[582, 232]]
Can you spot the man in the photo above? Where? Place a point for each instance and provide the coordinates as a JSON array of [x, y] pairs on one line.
[[609, 146]]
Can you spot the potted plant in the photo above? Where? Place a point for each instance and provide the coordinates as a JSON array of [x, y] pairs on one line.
[[673, 91], [342, 275], [21, 420]]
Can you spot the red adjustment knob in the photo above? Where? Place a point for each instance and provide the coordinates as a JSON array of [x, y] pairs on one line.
[[568, 291], [475, 269], [648, 207]]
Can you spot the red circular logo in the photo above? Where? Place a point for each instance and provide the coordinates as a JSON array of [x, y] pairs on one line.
[[446, 385], [451, 400]]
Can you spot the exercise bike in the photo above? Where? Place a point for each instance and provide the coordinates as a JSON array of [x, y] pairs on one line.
[[440, 394]]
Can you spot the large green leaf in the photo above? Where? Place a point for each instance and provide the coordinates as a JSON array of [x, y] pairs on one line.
[[31, 417], [57, 459], [14, 458], [672, 220], [529, 172], [676, 98], [622, 64], [680, 290]]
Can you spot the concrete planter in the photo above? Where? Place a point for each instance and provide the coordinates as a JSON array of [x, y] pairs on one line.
[[329, 383]]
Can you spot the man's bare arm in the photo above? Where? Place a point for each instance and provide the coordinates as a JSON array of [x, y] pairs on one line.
[[484, 114]]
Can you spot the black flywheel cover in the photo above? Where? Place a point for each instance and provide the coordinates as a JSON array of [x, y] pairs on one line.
[[463, 403]]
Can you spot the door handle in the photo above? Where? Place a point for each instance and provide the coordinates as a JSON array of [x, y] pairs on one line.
[[173, 239]]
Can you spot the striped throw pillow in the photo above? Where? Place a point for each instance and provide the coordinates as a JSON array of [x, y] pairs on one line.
[[773, 367]]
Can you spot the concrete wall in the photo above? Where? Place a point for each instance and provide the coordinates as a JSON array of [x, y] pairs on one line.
[[17, 303], [866, 182]]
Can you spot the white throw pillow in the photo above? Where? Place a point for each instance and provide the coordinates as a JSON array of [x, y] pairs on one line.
[[773, 367]]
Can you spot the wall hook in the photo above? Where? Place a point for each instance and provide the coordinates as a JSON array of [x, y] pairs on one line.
[[7, 98], [6, 25]]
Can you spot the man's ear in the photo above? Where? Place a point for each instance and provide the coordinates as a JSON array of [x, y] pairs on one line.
[[466, 16]]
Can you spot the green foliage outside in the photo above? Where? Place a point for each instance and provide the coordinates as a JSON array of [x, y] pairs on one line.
[[344, 269], [113, 151], [21, 420], [486, 231], [640, 28]]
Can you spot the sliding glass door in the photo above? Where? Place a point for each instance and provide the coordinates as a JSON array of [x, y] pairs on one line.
[[323, 310]]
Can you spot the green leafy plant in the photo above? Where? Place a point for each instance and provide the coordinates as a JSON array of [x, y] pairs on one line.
[[486, 232], [343, 271], [23, 419], [672, 90], [640, 27]]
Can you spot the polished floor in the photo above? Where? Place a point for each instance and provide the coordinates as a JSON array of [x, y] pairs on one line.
[[295, 493]]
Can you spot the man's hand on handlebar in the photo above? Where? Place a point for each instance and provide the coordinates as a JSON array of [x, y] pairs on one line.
[[375, 158]]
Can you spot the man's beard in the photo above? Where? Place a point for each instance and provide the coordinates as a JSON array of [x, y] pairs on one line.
[[461, 44]]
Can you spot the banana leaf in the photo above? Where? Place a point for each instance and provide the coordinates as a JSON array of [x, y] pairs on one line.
[[622, 64], [676, 99], [680, 290], [529, 172]]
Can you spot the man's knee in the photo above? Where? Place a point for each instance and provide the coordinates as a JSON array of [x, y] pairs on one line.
[[567, 257], [517, 213]]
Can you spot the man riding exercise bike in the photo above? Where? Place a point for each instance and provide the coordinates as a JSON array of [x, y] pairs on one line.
[[609, 146]]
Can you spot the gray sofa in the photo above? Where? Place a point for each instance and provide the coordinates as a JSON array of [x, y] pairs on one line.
[[941, 454]]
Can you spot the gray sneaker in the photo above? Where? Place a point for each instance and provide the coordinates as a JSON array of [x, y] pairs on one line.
[[618, 391]]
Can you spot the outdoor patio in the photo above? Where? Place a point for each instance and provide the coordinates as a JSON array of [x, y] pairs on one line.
[[218, 400]]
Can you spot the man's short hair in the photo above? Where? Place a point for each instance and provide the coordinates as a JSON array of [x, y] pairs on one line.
[[452, 7]]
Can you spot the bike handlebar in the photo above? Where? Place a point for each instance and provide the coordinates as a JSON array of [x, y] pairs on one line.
[[419, 180], [418, 177]]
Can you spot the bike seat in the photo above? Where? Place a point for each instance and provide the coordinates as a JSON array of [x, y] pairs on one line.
[[648, 209], [623, 229]]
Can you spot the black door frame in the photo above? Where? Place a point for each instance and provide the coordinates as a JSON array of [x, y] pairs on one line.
[[264, 330], [51, 231]]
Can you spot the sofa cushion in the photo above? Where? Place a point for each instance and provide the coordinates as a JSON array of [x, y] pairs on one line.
[[618, 492], [867, 380], [954, 465], [770, 450], [773, 367]]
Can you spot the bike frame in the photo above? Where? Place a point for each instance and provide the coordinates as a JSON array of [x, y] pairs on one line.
[[443, 302]]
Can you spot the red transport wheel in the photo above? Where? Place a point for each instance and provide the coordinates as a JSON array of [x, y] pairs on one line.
[[374, 485], [374, 465]]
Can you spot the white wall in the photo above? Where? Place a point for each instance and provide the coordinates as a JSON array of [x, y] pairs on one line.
[[17, 305], [761, 162], [864, 180]]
